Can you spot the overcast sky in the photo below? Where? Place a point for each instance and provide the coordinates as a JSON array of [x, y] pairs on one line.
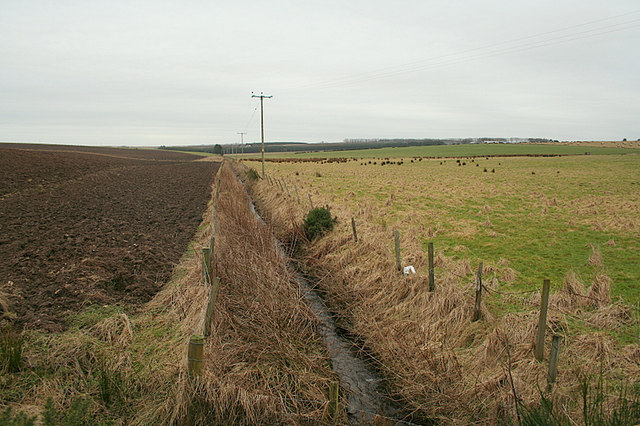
[[182, 72]]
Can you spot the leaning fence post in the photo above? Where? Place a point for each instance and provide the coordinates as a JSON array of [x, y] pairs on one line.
[[213, 294], [310, 202], [553, 360], [396, 239], [432, 284], [284, 182], [194, 355], [206, 264], [334, 395], [476, 309], [353, 226], [542, 321]]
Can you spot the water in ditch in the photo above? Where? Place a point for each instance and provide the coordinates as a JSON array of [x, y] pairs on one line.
[[362, 384]]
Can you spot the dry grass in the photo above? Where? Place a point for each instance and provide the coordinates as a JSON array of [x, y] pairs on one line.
[[438, 362], [264, 363], [5, 305]]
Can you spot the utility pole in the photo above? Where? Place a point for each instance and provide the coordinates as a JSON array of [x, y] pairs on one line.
[[261, 96], [242, 139]]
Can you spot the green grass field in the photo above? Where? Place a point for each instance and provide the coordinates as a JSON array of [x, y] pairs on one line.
[[542, 217], [456, 151]]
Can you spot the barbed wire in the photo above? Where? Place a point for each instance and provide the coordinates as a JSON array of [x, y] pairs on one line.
[[618, 330], [505, 293]]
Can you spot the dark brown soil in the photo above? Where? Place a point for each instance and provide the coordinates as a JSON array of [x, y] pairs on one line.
[[80, 228], [139, 153]]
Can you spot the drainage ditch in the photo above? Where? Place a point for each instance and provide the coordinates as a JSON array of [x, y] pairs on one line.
[[365, 400]]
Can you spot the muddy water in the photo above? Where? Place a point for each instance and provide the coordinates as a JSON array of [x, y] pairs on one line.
[[361, 383]]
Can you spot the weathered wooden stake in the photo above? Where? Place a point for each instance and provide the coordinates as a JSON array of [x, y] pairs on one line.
[[476, 309], [542, 322], [213, 295], [310, 202], [206, 264], [194, 355], [353, 226], [297, 196], [334, 395], [286, 187], [432, 284], [396, 238], [553, 360]]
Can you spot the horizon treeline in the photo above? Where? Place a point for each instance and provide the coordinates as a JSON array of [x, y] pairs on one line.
[[345, 145]]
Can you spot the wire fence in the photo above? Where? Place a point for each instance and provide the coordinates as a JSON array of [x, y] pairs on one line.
[[524, 295]]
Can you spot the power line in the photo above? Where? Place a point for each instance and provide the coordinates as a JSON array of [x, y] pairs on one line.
[[251, 118], [460, 57]]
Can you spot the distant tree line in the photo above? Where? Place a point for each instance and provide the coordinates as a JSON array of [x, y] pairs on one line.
[[346, 144]]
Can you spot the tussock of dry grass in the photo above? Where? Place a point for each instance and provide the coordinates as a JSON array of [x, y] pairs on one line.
[[600, 290], [595, 259], [439, 363]]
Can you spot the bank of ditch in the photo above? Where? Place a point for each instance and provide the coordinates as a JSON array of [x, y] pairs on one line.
[[435, 359], [265, 362]]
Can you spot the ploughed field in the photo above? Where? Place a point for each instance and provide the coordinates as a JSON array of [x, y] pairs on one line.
[[103, 226]]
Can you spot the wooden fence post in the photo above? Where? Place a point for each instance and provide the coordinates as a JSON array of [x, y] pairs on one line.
[[208, 317], [310, 202], [542, 321], [334, 395], [353, 226], [194, 355], [553, 360], [396, 239], [206, 264], [286, 187], [476, 309], [432, 284]]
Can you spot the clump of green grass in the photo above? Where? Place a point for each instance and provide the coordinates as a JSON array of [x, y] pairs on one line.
[[252, 174], [625, 409], [8, 418], [76, 415], [317, 222], [10, 350], [111, 384]]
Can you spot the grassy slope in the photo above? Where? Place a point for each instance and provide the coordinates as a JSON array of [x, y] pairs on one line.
[[541, 225], [458, 150]]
